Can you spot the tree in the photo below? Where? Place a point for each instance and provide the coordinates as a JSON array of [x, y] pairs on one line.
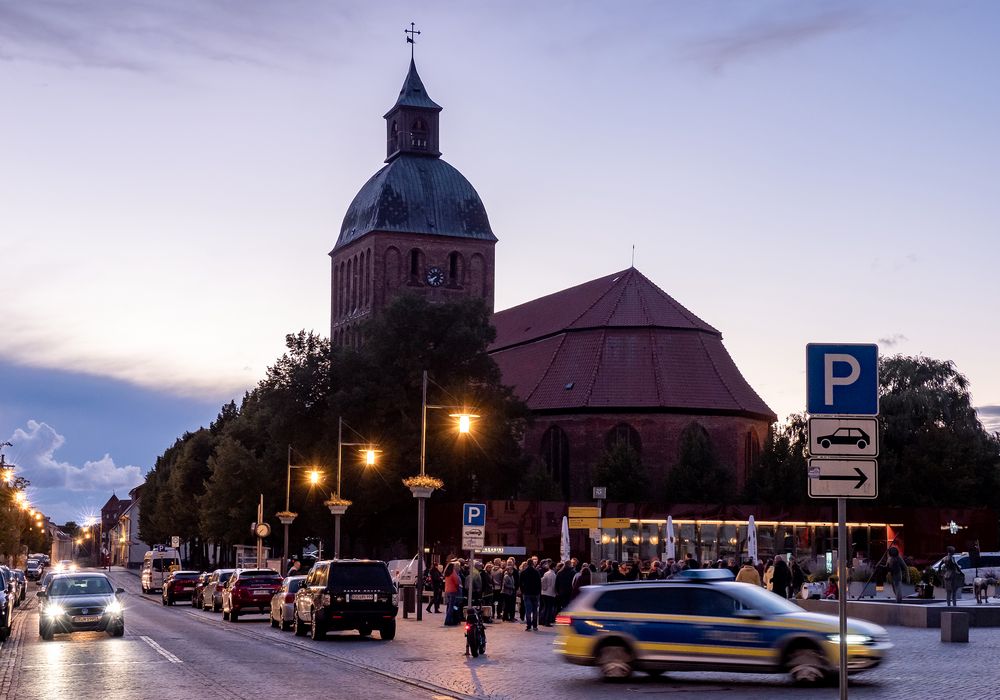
[[780, 477], [620, 469], [698, 477], [934, 450]]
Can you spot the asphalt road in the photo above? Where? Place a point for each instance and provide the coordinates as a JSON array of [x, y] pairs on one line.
[[180, 653]]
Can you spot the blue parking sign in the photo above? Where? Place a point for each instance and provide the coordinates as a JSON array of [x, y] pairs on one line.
[[474, 515], [842, 379]]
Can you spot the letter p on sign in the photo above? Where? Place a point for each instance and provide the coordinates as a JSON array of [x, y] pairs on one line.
[[842, 379]]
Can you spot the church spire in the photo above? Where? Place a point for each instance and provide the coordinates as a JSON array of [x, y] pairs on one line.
[[412, 123]]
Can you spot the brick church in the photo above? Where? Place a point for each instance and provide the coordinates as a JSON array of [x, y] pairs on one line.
[[612, 359]]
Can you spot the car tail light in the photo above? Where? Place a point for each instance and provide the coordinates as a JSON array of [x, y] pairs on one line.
[[564, 620]]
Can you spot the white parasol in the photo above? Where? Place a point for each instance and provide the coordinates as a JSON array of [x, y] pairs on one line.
[[564, 540], [752, 540], [671, 546]]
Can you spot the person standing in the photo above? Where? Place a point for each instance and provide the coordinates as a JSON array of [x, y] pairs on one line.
[[452, 586], [507, 591], [531, 590], [437, 588], [564, 584], [952, 575], [781, 577], [580, 581], [798, 578], [548, 599], [898, 571], [748, 574]]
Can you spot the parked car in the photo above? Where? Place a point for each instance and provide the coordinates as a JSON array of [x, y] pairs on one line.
[[211, 597], [179, 586], [344, 594], [249, 590], [7, 597], [81, 602], [988, 562], [705, 623], [34, 569], [283, 602], [46, 578], [197, 599], [20, 585]]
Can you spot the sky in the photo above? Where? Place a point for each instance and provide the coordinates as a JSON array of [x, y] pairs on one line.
[[174, 174]]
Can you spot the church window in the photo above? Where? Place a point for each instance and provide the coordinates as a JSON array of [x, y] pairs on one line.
[[343, 289], [416, 262], [624, 434], [368, 278], [751, 452], [350, 286], [418, 135], [393, 137], [336, 290], [555, 455], [454, 270]]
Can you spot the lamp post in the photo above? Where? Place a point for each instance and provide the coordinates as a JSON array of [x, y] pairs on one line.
[[423, 492], [287, 517], [337, 505]]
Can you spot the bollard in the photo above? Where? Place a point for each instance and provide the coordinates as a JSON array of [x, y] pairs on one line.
[[954, 627]]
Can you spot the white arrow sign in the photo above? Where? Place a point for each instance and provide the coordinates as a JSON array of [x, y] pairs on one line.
[[843, 478]]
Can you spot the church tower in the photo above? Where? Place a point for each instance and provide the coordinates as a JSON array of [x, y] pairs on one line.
[[416, 227]]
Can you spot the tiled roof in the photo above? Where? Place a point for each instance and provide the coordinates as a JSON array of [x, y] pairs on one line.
[[618, 342]]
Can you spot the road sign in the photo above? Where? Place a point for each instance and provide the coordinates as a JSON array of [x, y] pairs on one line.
[[600, 493], [584, 512], [842, 379], [175, 541], [843, 437], [473, 525], [582, 523], [843, 478]]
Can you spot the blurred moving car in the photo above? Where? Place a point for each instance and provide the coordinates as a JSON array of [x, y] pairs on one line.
[[249, 589], [283, 602], [81, 602], [211, 596], [65, 565], [34, 569], [344, 594], [199, 589], [708, 624], [7, 598], [179, 586]]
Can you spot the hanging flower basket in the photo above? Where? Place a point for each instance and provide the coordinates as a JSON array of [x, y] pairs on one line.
[[422, 485], [336, 501], [286, 516]]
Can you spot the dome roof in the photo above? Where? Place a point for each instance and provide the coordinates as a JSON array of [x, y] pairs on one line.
[[417, 194]]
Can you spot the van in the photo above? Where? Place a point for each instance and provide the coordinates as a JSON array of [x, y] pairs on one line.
[[156, 567]]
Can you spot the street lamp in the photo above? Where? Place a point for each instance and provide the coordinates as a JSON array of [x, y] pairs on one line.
[[287, 516], [337, 505], [423, 491]]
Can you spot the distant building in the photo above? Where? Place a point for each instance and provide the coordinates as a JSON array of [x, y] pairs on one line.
[[126, 547]]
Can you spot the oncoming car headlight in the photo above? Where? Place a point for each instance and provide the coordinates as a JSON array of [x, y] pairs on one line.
[[114, 608], [851, 638], [54, 610]]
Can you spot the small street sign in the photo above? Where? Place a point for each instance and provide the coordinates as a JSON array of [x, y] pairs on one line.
[[600, 493], [843, 478], [473, 525], [584, 512], [582, 523], [842, 379], [175, 541], [843, 437]]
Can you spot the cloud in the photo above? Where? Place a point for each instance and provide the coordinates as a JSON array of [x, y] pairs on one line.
[[766, 35], [990, 417], [892, 340], [35, 454]]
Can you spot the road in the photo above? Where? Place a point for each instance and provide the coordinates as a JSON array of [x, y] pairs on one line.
[[181, 653]]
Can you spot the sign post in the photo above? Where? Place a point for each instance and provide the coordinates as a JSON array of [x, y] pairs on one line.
[[842, 402], [473, 536]]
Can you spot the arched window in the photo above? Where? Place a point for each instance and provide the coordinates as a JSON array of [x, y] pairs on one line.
[[416, 262], [555, 455], [454, 270], [368, 278], [624, 434], [418, 135], [393, 137], [343, 289], [751, 452], [336, 290]]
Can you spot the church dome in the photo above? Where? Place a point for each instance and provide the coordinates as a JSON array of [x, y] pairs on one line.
[[417, 194]]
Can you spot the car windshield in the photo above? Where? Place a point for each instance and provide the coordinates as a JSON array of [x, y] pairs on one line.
[[80, 585], [295, 584], [756, 598], [360, 576]]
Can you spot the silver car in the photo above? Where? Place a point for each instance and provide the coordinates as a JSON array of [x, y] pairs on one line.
[[283, 602]]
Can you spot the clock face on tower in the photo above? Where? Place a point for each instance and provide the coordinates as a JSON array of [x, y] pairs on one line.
[[435, 276]]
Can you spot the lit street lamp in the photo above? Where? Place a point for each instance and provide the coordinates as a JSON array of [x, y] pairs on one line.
[[287, 516], [337, 505]]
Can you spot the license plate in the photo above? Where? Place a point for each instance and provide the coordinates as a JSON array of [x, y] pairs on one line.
[[86, 618], [262, 592], [362, 596]]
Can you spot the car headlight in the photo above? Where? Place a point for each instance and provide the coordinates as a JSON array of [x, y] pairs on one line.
[[54, 610], [114, 608], [851, 638]]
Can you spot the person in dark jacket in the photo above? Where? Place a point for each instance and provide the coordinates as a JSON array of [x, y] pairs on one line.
[[564, 585], [437, 588], [798, 578], [580, 581], [531, 591], [781, 577]]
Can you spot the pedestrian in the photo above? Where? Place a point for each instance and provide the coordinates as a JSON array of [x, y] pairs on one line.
[[781, 577], [437, 588], [832, 590], [564, 584], [497, 573], [580, 581], [520, 592], [507, 592], [798, 578], [488, 593], [452, 586], [748, 574], [898, 571], [952, 575], [655, 573], [548, 598], [531, 590]]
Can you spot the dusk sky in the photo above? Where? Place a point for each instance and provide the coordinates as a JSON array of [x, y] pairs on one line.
[[173, 175]]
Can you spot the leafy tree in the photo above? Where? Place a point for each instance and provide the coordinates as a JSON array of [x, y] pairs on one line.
[[537, 485], [698, 477], [620, 469], [780, 477]]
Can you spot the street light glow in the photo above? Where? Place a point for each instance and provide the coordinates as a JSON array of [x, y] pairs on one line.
[[21, 497], [8, 476], [315, 476], [369, 457], [464, 421]]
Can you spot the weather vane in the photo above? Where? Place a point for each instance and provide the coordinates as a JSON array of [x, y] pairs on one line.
[[411, 37]]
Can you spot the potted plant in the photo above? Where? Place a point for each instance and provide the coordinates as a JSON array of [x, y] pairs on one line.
[[422, 485], [337, 505]]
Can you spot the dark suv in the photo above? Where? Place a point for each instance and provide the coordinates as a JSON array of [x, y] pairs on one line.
[[346, 594]]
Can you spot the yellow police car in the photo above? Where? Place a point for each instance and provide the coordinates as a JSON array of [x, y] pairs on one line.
[[707, 623]]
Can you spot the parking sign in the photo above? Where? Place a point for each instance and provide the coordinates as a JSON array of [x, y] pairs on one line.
[[842, 379], [473, 525]]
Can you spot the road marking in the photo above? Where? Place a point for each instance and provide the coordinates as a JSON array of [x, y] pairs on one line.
[[161, 651]]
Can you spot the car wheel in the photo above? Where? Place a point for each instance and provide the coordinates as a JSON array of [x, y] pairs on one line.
[[806, 667], [274, 623], [388, 631], [615, 662], [286, 625], [825, 444], [300, 627], [316, 630], [216, 607], [862, 444], [234, 616], [364, 631], [118, 630], [45, 632]]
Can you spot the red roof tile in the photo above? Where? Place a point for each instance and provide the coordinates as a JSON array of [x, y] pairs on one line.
[[618, 342]]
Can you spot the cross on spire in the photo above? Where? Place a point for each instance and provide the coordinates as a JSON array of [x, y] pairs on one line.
[[411, 38]]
